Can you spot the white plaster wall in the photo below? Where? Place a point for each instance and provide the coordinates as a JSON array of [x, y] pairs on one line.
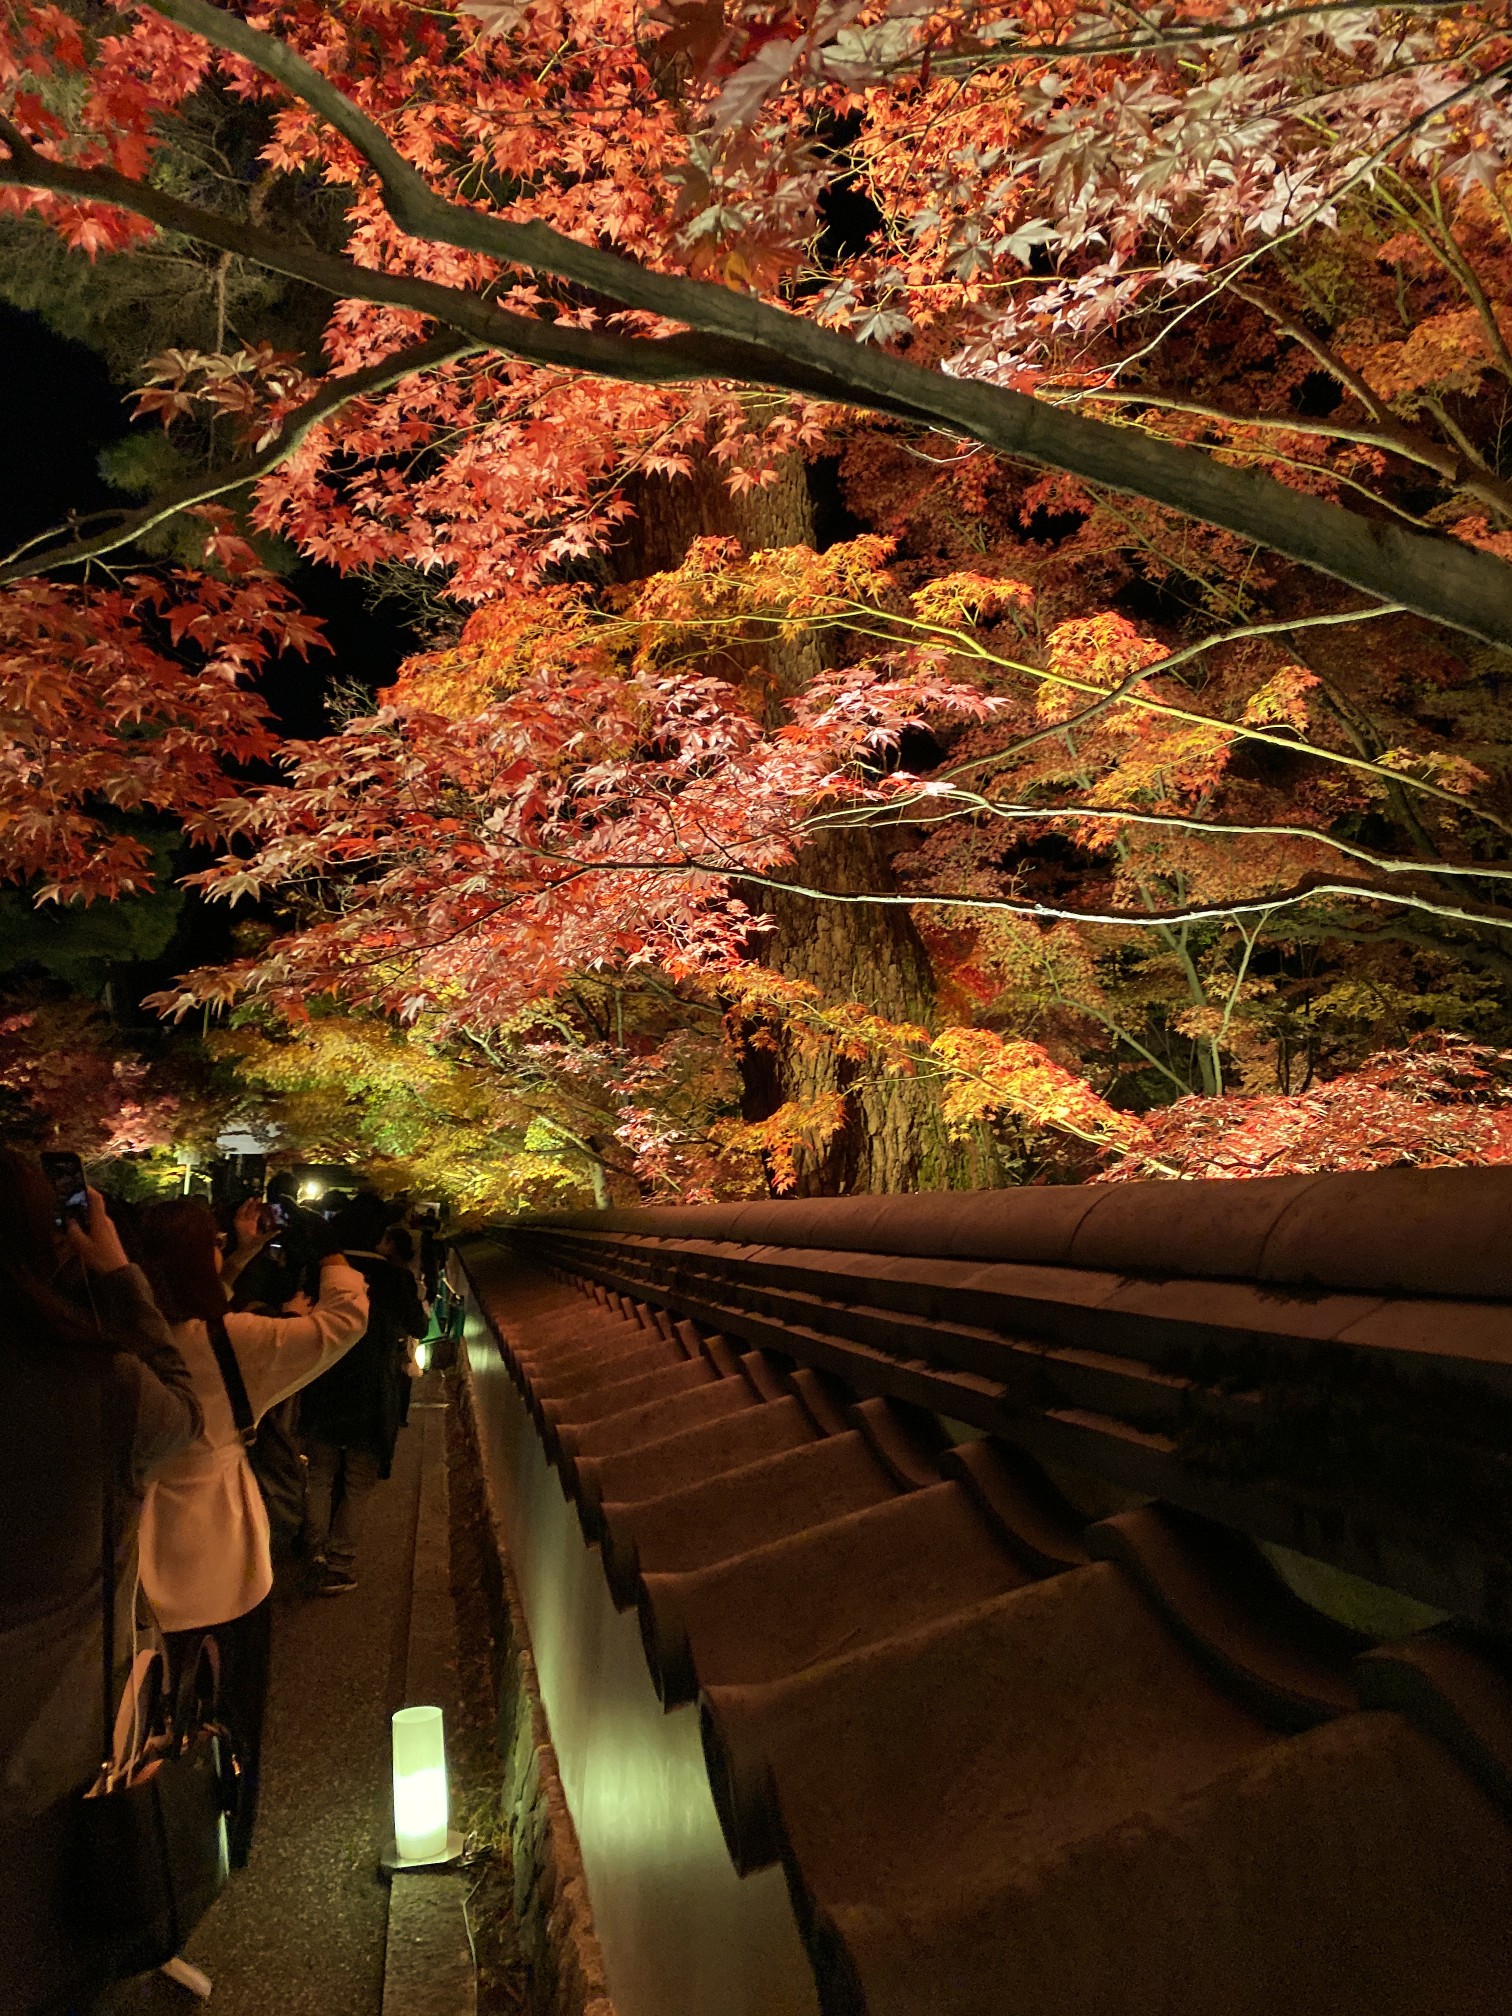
[[682, 1934]]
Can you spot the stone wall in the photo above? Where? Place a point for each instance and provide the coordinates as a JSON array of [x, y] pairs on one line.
[[554, 1920]]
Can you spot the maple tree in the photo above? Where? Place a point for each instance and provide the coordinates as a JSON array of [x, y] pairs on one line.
[[136, 1111], [1113, 754]]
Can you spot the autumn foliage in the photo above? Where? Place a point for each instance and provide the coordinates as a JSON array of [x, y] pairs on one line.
[[1199, 847]]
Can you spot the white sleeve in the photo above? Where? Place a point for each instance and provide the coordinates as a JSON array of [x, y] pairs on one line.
[[279, 1354]]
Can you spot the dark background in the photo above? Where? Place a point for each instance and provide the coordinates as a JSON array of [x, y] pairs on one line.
[[58, 410]]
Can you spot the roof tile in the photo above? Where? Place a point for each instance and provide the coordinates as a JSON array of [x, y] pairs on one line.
[[1001, 1775]]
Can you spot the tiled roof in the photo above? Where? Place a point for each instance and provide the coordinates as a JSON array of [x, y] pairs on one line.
[[1012, 1760]]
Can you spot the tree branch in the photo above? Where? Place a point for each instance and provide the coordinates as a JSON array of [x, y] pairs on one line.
[[216, 483], [1132, 681], [1199, 34], [687, 358], [1157, 916], [1461, 471], [1464, 471], [1442, 579], [1123, 815], [1168, 915]]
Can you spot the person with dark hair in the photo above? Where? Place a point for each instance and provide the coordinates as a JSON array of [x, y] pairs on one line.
[[350, 1418], [288, 1260], [207, 1564], [97, 1399], [425, 1221]]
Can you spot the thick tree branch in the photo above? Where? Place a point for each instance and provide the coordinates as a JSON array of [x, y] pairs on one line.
[[665, 360], [1438, 578], [34, 558]]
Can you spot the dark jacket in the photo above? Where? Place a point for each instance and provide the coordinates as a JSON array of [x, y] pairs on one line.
[[289, 1262], [69, 1410], [359, 1403]]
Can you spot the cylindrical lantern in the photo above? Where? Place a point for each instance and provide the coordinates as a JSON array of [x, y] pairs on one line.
[[420, 1807], [422, 1355]]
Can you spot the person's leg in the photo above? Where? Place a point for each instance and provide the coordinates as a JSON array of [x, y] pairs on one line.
[[359, 1475], [323, 1476], [246, 1646]]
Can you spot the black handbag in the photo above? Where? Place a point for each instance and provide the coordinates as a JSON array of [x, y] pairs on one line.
[[150, 1845], [272, 1451]]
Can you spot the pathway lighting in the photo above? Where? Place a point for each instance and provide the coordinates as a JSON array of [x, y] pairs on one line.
[[421, 1806]]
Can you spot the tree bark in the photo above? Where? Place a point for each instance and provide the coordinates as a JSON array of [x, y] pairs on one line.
[[893, 1138]]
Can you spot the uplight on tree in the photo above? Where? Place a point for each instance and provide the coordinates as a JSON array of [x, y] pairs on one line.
[[421, 1807]]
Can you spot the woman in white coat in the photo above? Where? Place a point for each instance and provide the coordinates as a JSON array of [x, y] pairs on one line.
[[206, 1561]]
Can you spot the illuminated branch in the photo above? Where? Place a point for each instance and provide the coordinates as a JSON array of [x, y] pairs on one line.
[[865, 620], [1123, 815], [1180, 35], [1457, 470], [1155, 917], [197, 490], [1439, 578], [1128, 686]]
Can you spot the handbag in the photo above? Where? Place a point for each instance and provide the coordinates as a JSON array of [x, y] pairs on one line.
[[150, 1852], [272, 1452]]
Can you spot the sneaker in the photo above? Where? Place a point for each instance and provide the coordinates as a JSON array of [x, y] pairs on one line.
[[335, 1581]]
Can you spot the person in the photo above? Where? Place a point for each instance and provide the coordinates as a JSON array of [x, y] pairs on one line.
[[350, 1417], [97, 1399], [425, 1221], [398, 1244], [207, 1565], [288, 1260]]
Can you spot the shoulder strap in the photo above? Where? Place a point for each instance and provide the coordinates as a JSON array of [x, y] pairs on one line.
[[231, 1378], [107, 1573]]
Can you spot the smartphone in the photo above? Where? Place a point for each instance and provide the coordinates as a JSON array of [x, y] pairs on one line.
[[278, 1212], [66, 1175]]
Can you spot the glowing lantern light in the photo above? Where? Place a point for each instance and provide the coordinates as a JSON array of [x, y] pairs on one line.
[[420, 1802], [422, 1355]]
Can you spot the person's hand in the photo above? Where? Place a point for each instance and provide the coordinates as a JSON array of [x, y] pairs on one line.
[[98, 1244], [334, 1260], [251, 1234]]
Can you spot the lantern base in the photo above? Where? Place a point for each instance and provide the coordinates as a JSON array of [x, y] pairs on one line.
[[394, 1864]]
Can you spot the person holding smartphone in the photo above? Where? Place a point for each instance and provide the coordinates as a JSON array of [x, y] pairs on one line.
[[276, 1253], [97, 1399], [207, 1565]]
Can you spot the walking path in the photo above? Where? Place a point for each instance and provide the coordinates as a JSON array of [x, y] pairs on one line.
[[301, 1932]]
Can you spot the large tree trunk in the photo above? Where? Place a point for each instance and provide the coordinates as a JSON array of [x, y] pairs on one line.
[[893, 1137]]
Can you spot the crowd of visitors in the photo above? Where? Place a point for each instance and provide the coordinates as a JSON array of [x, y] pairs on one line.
[[153, 1356]]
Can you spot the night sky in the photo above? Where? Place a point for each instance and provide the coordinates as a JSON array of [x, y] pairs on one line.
[[58, 409]]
